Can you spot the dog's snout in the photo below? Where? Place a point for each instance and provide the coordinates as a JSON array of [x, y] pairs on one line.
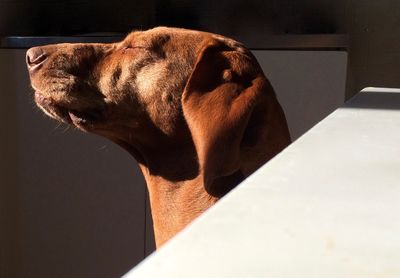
[[35, 57]]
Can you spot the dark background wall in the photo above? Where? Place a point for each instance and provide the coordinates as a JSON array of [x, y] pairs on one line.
[[71, 204], [372, 26]]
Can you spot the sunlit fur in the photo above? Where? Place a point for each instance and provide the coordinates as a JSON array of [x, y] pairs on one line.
[[193, 108]]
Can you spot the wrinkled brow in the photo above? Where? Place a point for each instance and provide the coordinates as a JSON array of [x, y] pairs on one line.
[[147, 40]]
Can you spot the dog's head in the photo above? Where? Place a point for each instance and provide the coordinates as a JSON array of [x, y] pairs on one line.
[[163, 84], [98, 86]]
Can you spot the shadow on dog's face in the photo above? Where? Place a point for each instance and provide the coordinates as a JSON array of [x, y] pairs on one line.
[[115, 89]]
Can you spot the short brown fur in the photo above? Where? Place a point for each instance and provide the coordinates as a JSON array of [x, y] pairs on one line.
[[193, 108]]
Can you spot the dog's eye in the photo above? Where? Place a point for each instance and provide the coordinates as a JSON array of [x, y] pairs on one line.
[[126, 47], [131, 47]]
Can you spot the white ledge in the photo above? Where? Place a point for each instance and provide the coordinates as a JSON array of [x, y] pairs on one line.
[[327, 206]]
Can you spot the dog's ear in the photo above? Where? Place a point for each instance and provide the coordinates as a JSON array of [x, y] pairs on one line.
[[221, 94]]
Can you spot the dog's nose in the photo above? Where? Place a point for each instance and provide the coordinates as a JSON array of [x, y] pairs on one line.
[[35, 57]]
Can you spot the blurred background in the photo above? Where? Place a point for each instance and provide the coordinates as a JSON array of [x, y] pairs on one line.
[[372, 26], [75, 205]]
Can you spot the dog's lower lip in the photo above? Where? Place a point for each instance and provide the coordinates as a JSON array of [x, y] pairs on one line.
[[68, 115], [81, 118], [41, 98], [75, 118]]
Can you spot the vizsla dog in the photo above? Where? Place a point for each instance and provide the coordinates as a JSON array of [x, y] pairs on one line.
[[193, 108]]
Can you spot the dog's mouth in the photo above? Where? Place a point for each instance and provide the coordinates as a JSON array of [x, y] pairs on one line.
[[81, 118]]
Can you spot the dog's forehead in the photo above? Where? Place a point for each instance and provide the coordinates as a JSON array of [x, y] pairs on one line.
[[176, 35]]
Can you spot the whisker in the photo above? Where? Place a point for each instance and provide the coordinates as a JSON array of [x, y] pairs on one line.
[[56, 126], [67, 127], [104, 147]]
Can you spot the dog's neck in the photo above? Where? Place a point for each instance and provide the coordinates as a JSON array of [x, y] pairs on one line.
[[175, 182], [175, 185], [174, 204]]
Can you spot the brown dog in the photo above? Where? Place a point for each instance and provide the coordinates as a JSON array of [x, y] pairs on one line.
[[193, 108]]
